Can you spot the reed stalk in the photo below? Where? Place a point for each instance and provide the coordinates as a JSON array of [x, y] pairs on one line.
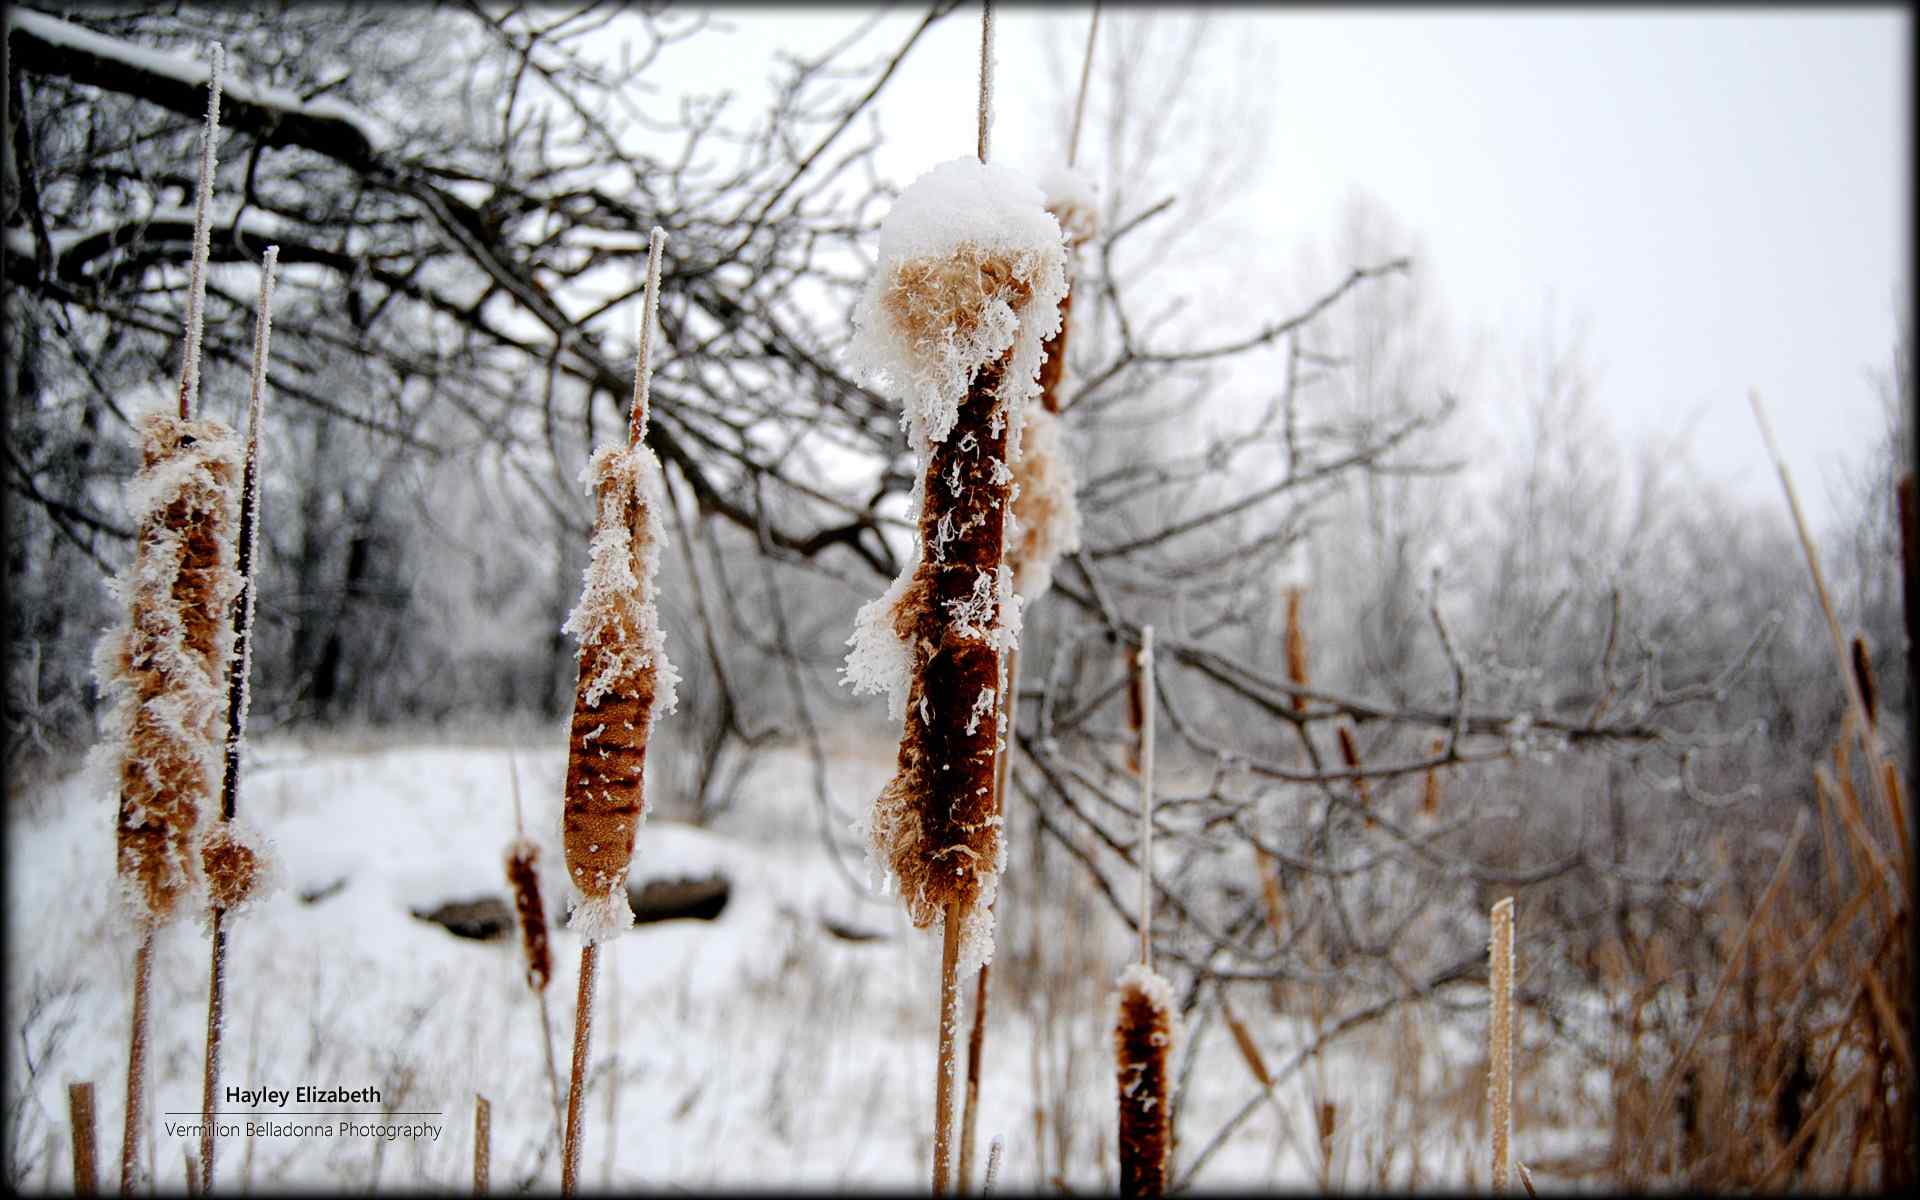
[[625, 681], [85, 1153], [1500, 1039], [1144, 1022], [482, 1145], [232, 865]]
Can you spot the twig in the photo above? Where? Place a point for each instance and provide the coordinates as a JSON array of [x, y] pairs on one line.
[[1080, 99]]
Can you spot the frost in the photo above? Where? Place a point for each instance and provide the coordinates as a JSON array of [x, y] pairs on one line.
[[1073, 197], [618, 610], [602, 915], [1045, 510], [970, 264]]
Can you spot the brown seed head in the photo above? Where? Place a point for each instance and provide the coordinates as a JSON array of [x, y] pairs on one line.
[[524, 876], [934, 823], [1143, 1036], [1296, 648], [169, 661], [1863, 676], [621, 659], [236, 865], [936, 301]]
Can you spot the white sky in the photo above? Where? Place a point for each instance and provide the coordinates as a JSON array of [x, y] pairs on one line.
[[1718, 199]]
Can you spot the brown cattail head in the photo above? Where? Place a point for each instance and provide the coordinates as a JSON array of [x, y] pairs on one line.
[[971, 270], [1430, 794], [1046, 520], [524, 876], [1144, 1029], [1863, 676], [1296, 648], [1136, 709], [239, 863], [1075, 207], [167, 664], [1350, 754], [625, 681]]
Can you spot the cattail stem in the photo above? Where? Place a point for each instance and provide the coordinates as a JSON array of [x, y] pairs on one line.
[[643, 369], [482, 1144], [137, 1064], [238, 695], [1500, 1040], [85, 1155], [1147, 702], [983, 990], [986, 77], [216, 1015], [197, 278], [944, 1072], [553, 1068], [582, 1034], [1080, 99]]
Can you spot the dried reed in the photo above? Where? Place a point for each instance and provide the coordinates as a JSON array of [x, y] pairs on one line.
[[625, 679], [1500, 1039], [80, 1118]]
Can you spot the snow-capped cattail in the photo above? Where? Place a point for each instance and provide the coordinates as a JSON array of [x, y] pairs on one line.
[[625, 679], [1143, 1034], [1500, 1038], [971, 269], [167, 664]]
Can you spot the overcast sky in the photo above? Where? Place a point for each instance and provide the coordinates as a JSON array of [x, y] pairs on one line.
[[1717, 199]]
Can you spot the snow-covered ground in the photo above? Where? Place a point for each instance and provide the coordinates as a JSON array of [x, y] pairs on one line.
[[759, 1048]]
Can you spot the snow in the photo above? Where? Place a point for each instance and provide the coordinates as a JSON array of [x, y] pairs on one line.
[[924, 335], [185, 69], [807, 1057], [1073, 197], [1046, 510]]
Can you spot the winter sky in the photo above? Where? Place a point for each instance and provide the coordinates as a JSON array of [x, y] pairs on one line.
[[1711, 200]]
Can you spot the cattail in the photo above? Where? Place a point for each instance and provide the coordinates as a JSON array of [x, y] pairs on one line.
[[524, 878], [1296, 649], [1863, 676], [1143, 1034], [625, 681], [1430, 792], [80, 1117], [1144, 1019], [971, 270], [1136, 709], [1500, 1043], [1350, 754]]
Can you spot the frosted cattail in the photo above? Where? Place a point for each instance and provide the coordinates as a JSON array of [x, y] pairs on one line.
[[1144, 1028], [1500, 1039], [166, 666], [1296, 648], [625, 683], [524, 877], [971, 270], [1136, 709]]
